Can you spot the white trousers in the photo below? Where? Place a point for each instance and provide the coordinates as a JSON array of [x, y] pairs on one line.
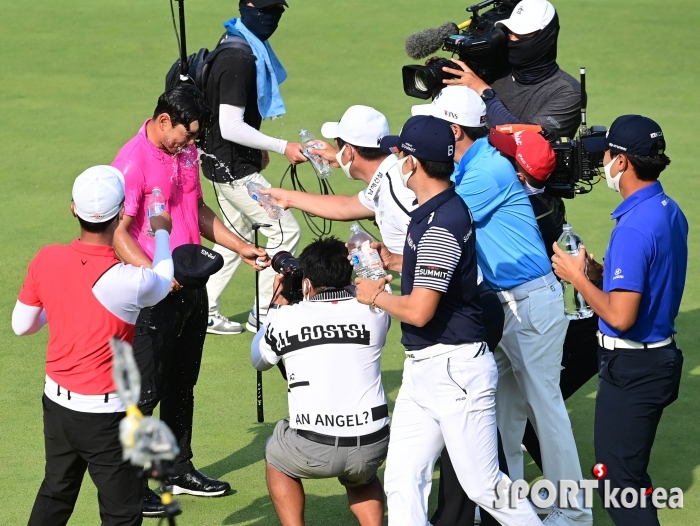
[[447, 400], [240, 211], [529, 366]]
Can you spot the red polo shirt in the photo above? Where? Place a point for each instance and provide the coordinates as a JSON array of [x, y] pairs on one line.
[[60, 279]]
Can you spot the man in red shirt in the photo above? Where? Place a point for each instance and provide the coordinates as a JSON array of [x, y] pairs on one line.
[[169, 337], [87, 296]]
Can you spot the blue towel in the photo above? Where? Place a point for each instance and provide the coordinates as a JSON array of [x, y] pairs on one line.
[[270, 73]]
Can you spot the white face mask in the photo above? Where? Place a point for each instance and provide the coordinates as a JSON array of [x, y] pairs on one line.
[[344, 167], [613, 182], [405, 177], [306, 289]]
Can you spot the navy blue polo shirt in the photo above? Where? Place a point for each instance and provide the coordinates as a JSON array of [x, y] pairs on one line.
[[440, 254], [648, 253]]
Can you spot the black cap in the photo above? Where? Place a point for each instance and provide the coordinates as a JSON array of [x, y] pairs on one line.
[[631, 134], [194, 264], [260, 4], [425, 137]]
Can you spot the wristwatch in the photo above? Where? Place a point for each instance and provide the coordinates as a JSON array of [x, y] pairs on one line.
[[487, 94]]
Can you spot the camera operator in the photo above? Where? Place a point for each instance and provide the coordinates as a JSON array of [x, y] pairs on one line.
[[447, 396], [242, 90], [338, 414], [514, 263], [169, 336], [643, 280], [87, 296], [536, 91], [534, 161], [357, 152]]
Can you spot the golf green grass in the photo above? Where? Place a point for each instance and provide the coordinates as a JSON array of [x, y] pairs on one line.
[[77, 80]]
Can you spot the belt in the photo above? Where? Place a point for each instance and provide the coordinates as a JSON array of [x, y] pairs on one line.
[[345, 441], [441, 348], [610, 343], [483, 287], [521, 291]]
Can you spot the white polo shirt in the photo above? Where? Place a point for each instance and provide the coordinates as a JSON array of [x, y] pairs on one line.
[[391, 203]]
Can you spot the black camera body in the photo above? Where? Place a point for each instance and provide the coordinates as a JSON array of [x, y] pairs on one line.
[[286, 264], [482, 46], [575, 164]]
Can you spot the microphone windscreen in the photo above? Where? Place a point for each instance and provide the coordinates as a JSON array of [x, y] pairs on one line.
[[448, 29], [428, 41]]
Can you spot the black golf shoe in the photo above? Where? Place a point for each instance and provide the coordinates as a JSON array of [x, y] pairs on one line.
[[198, 484], [152, 506]]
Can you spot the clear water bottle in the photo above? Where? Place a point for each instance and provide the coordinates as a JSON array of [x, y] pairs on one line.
[[575, 307], [274, 211], [322, 167], [365, 259], [156, 205]]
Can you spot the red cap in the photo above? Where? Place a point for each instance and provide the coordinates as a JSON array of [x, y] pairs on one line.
[[530, 149]]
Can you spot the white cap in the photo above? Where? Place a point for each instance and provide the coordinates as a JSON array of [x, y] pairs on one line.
[[457, 104], [98, 193], [529, 16], [359, 126]]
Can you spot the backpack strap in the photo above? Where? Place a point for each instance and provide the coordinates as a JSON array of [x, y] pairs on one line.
[[228, 42]]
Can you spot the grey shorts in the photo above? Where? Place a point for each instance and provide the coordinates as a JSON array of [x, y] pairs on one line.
[[301, 458]]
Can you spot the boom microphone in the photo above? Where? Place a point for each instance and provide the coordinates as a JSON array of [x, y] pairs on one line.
[[428, 41]]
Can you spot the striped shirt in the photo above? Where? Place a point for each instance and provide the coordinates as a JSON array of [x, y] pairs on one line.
[[440, 254]]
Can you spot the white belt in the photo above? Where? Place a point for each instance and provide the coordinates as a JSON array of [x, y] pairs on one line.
[[101, 403], [522, 291], [610, 343], [441, 348]]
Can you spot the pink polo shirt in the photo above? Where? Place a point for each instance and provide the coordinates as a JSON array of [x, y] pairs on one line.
[[144, 167]]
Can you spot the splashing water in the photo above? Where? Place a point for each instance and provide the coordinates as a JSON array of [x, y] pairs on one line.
[[217, 162]]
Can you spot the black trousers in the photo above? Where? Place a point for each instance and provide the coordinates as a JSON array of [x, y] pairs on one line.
[[168, 344], [454, 507], [634, 388], [76, 442], [580, 364]]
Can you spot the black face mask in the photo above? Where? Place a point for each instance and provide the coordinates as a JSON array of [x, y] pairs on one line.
[[261, 22], [535, 59]]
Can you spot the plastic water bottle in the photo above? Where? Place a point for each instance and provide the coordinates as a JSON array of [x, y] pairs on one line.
[[575, 307], [156, 205], [322, 167], [365, 259], [274, 211]]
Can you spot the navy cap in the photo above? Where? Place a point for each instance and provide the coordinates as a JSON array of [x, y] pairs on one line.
[[425, 137], [194, 264], [261, 4], [631, 134]]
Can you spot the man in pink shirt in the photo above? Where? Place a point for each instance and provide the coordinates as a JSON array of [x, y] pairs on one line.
[[169, 337]]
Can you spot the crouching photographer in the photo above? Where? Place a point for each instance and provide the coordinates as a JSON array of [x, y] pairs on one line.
[[338, 414]]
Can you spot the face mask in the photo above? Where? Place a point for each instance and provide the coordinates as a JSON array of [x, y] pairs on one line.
[[613, 182], [534, 59], [405, 177], [261, 22], [531, 190], [344, 167], [306, 289]]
